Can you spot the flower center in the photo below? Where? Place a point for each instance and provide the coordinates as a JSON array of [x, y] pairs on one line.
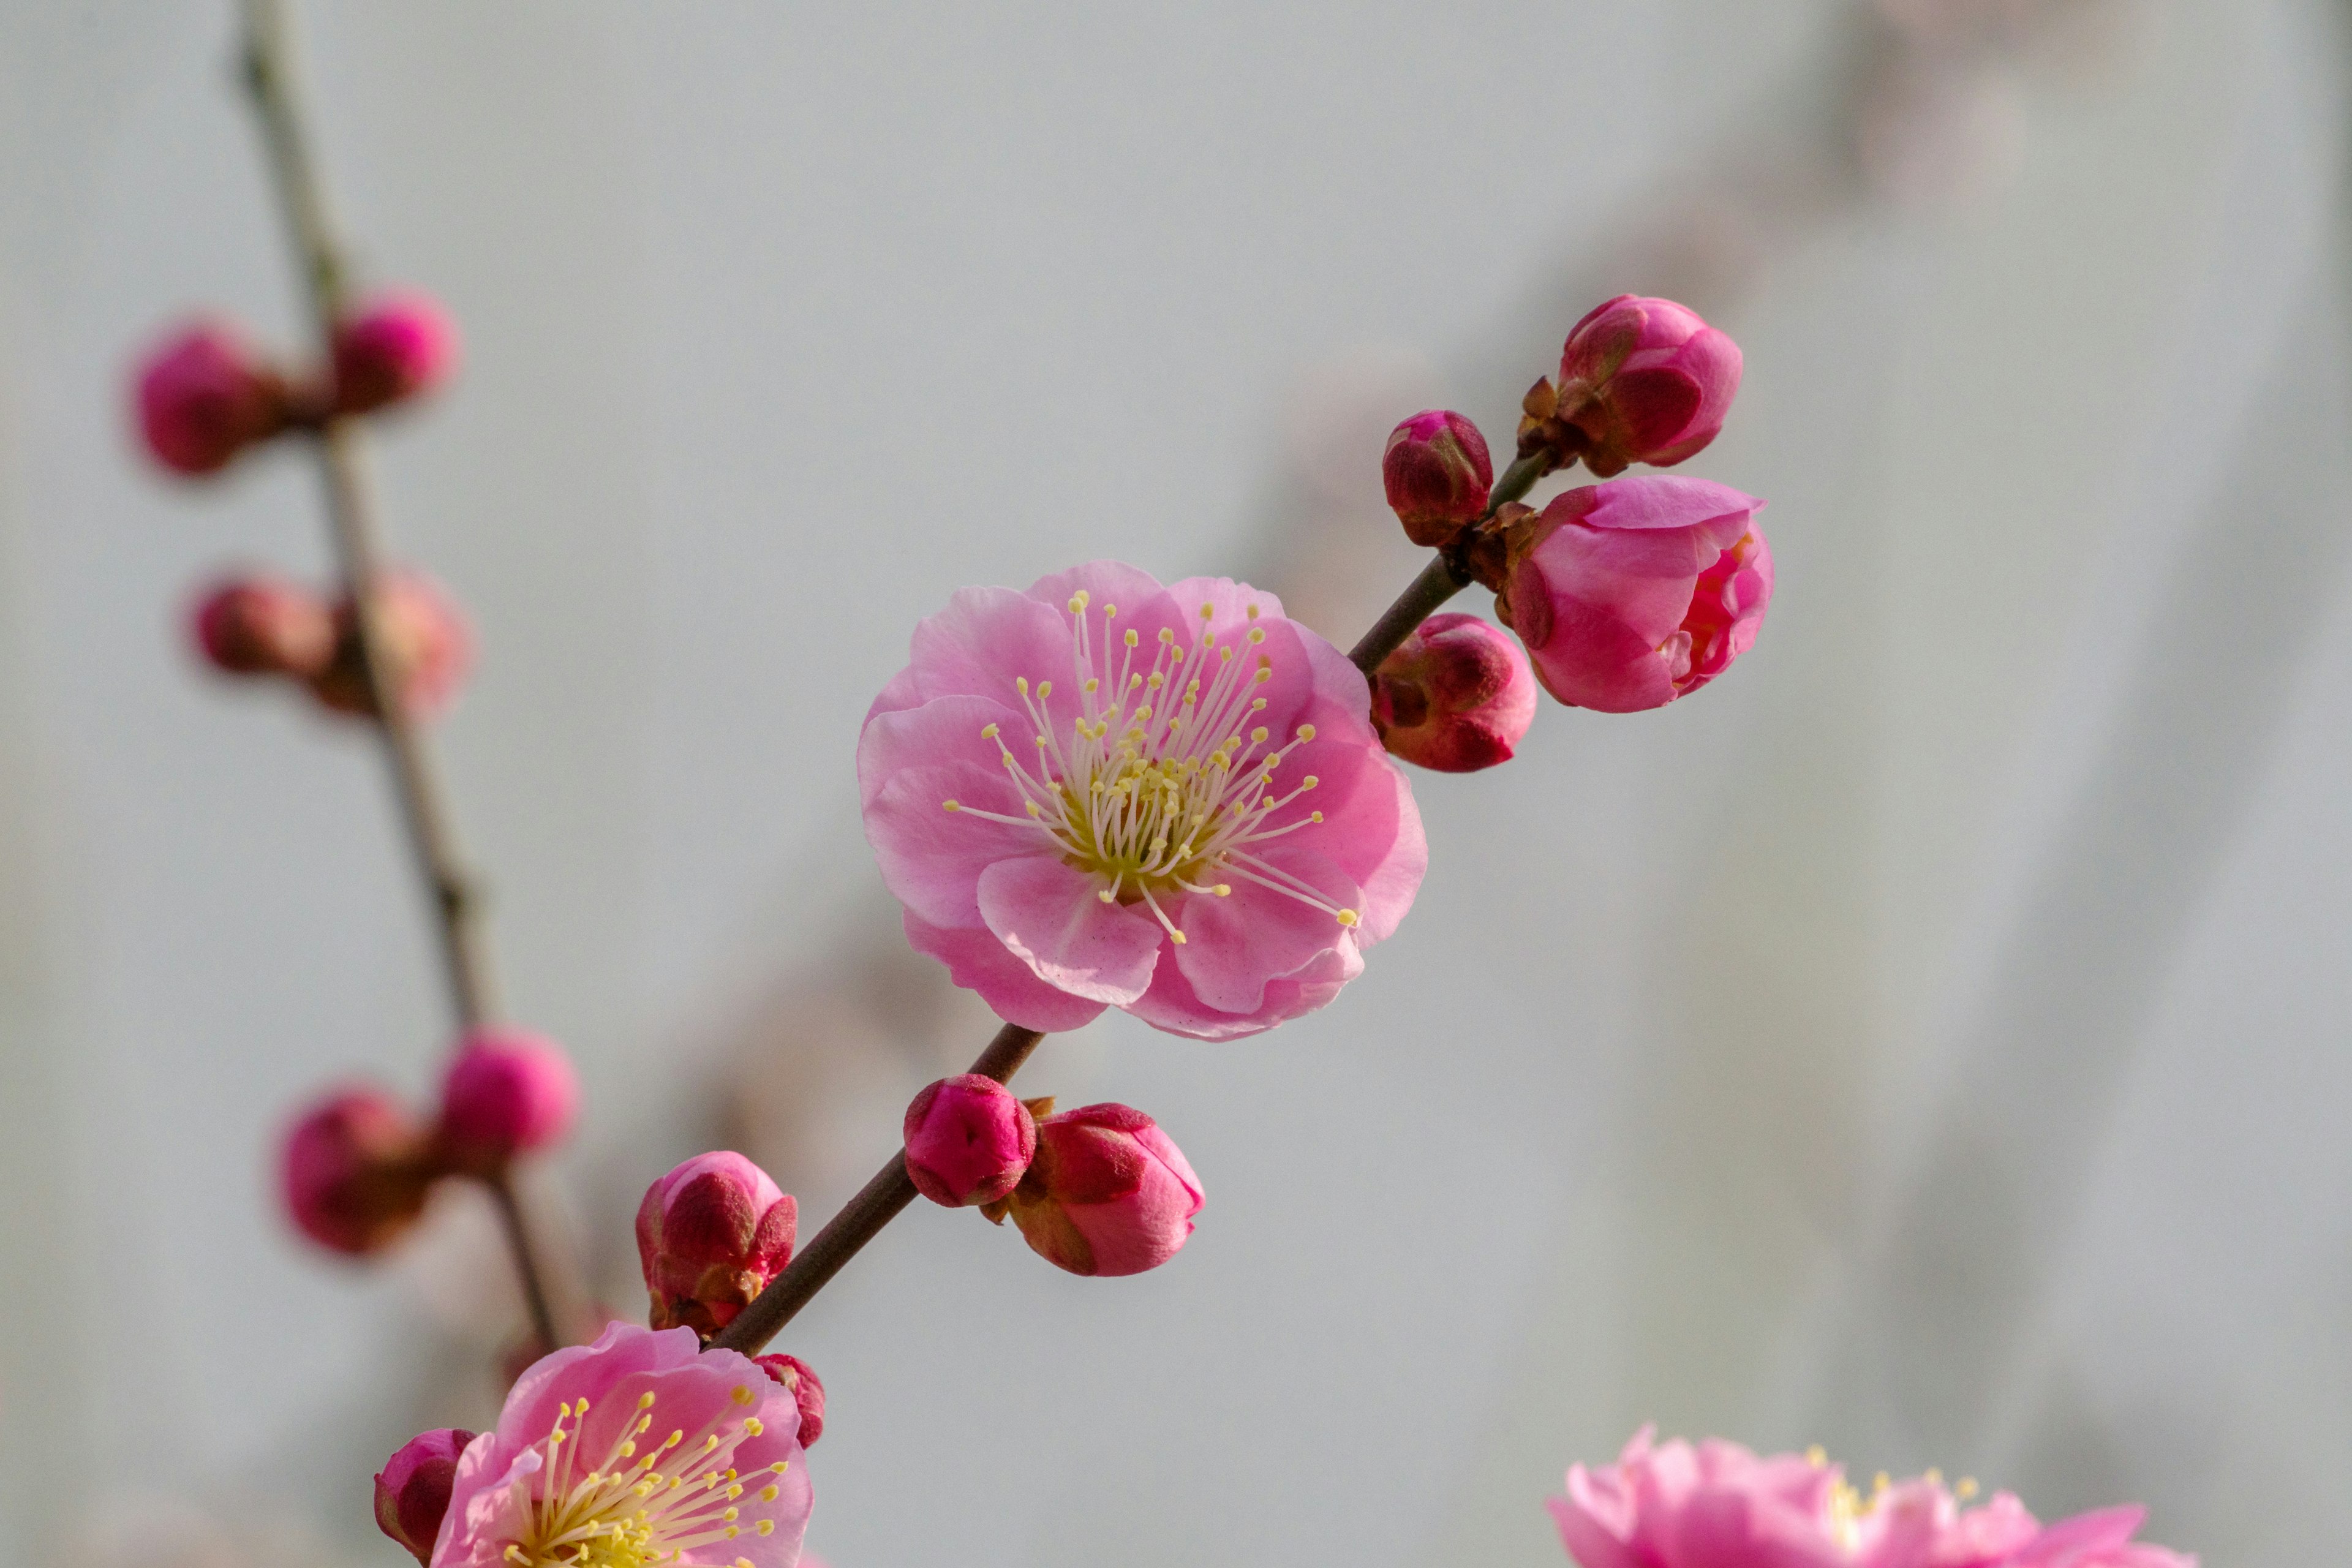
[[628, 1511], [1165, 783]]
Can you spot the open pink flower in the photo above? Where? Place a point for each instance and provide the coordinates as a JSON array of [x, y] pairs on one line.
[[1718, 1505], [1645, 381], [634, 1449], [1105, 792]]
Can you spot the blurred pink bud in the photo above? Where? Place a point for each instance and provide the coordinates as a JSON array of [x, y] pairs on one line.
[[506, 1093], [403, 345], [1109, 1192], [1641, 381], [1455, 697], [1438, 474], [263, 626], [710, 1235], [793, 1374], [1632, 594], [428, 645], [968, 1139], [204, 394], [412, 1491], [354, 1171]]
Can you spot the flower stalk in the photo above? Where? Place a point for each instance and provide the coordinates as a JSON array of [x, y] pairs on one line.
[[1446, 575]]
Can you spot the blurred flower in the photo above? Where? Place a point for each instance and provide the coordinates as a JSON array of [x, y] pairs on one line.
[[968, 1139], [204, 395], [561, 1479], [412, 1491], [1438, 474], [792, 1373], [426, 641], [710, 1235], [1719, 1506], [1153, 846], [1108, 1194], [402, 345], [354, 1171], [507, 1092], [1455, 697], [261, 624], [1631, 593], [1641, 381]]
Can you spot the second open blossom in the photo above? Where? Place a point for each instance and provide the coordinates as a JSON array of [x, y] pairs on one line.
[[1106, 793]]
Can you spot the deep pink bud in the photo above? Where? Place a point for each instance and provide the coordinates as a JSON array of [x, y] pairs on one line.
[[206, 394], [1438, 474], [1108, 1193], [412, 1491], [968, 1138], [710, 1235], [1456, 696], [1632, 594], [428, 641], [354, 1171], [403, 345], [263, 626], [1645, 381], [506, 1093], [795, 1375]]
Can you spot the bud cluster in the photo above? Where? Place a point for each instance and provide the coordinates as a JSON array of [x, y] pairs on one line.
[[261, 626]]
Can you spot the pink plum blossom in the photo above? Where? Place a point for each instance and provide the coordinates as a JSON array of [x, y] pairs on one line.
[[1645, 381], [1631, 593], [968, 1138], [507, 1092], [412, 1491], [642, 1447], [204, 394], [428, 645], [354, 1171], [263, 625], [710, 1235], [1455, 697], [402, 345], [1718, 1505], [1437, 473], [1110, 1193], [1105, 792]]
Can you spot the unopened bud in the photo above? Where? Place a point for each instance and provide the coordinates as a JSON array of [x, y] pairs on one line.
[[506, 1093], [427, 643], [1641, 381], [968, 1141], [204, 394], [354, 1171], [710, 1235], [1438, 475], [1455, 697], [1109, 1192], [793, 1374], [412, 1491], [263, 626], [403, 345]]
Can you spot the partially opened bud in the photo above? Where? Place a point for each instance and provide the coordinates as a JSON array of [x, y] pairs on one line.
[[1632, 594], [710, 1235], [206, 394], [793, 1374], [1438, 475], [1641, 381], [412, 1491], [263, 626], [403, 345], [427, 643], [507, 1092], [1456, 696], [354, 1171], [968, 1138], [1108, 1193]]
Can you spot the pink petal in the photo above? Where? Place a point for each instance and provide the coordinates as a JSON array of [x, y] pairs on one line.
[[1235, 946], [1170, 1005], [933, 859], [987, 637], [978, 961], [1052, 916]]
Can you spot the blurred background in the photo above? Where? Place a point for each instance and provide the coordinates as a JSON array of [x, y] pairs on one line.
[[1929, 1042]]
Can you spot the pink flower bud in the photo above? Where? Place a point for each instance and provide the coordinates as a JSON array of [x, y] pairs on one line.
[[968, 1138], [1438, 475], [1644, 381], [401, 346], [1456, 696], [204, 395], [1632, 594], [710, 1235], [428, 643], [412, 1491], [354, 1171], [263, 626], [793, 1374], [506, 1093], [1109, 1192]]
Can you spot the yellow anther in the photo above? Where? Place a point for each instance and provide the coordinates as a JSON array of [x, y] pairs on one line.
[[1167, 636], [1309, 782], [1817, 1456], [950, 805], [1130, 639], [1223, 890], [1264, 673], [765, 1527], [1934, 1477], [1314, 816], [770, 1492], [1207, 611], [1253, 612], [733, 1514], [1306, 731], [1258, 736], [1035, 810], [751, 1425], [1109, 610], [991, 732], [1106, 896], [1021, 684], [732, 1533], [1967, 1488], [1348, 918], [1257, 704], [1257, 634], [781, 1465], [645, 1401], [1156, 682], [732, 1492], [1178, 937], [1093, 685], [556, 1436], [1880, 1482], [1044, 689], [1077, 603]]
